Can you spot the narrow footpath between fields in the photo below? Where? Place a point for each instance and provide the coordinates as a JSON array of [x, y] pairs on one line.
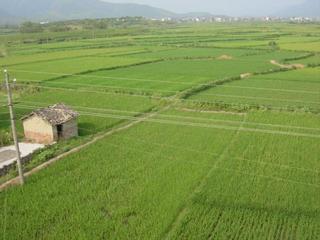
[[16, 181], [287, 66], [184, 210]]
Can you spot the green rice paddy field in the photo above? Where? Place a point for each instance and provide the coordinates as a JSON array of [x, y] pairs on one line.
[[225, 145]]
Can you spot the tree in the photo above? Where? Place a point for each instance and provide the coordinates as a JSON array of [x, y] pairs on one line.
[[30, 27], [273, 45]]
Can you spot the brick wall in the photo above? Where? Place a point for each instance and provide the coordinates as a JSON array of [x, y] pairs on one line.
[[70, 129]]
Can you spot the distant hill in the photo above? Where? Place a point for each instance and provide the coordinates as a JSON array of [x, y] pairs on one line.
[[310, 8], [196, 14], [52, 10]]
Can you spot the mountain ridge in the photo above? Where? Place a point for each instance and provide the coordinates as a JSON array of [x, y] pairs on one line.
[[16, 11], [53, 10], [309, 8]]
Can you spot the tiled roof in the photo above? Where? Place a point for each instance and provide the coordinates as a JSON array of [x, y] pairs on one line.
[[55, 115]]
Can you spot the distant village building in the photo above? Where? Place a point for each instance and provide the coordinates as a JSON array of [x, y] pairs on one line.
[[51, 124]]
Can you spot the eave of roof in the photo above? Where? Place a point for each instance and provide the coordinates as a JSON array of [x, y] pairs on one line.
[[54, 115]]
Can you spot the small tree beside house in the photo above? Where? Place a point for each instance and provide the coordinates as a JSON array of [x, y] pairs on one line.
[[51, 124]]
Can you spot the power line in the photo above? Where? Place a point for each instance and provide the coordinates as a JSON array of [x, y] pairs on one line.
[[227, 169], [224, 169], [274, 178], [13, 127], [209, 153], [104, 77], [106, 87], [185, 117], [191, 83], [99, 114], [202, 152], [205, 152], [159, 81], [190, 100], [136, 139], [270, 177], [263, 78], [258, 98], [270, 89], [223, 127], [206, 125], [97, 92], [106, 114], [110, 77]]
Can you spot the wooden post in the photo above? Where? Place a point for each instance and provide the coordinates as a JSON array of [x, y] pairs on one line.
[[13, 126]]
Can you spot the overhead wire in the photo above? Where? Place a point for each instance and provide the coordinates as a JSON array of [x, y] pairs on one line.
[[181, 117], [200, 152], [191, 124], [168, 97], [226, 169], [155, 81]]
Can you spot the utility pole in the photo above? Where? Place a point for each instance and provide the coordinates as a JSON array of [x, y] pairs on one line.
[[13, 126]]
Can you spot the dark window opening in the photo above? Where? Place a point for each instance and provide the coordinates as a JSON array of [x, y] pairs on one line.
[[60, 130]]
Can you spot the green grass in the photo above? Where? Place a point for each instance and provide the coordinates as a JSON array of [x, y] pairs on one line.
[[308, 61], [166, 77], [304, 46], [48, 70], [193, 52], [141, 179], [86, 102], [61, 54], [299, 88], [257, 194], [183, 173]]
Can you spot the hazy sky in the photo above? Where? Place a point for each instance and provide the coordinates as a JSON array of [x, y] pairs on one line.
[[230, 7]]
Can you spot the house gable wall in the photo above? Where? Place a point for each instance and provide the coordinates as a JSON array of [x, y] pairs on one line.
[[38, 130]]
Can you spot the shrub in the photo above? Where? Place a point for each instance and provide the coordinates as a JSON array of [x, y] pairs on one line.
[[30, 27], [5, 138]]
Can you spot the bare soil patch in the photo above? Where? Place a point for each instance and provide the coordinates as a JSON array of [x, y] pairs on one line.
[[245, 75], [298, 65], [225, 57], [287, 66]]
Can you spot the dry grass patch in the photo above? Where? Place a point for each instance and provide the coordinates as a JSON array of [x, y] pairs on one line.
[[288, 66], [225, 57]]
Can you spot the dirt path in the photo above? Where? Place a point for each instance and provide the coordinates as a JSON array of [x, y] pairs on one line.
[[182, 213], [287, 66], [15, 181], [245, 75], [224, 57], [8, 153]]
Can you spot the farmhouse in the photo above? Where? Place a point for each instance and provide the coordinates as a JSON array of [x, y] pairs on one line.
[[51, 124]]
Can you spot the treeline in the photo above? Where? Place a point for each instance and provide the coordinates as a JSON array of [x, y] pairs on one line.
[[88, 24]]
